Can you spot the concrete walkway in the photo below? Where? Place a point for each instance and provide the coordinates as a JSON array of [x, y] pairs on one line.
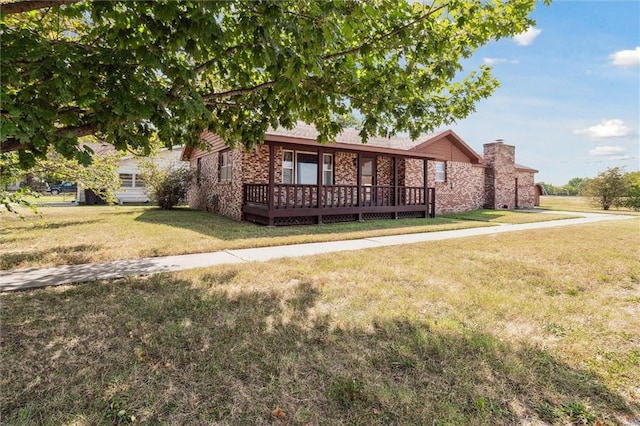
[[23, 279]]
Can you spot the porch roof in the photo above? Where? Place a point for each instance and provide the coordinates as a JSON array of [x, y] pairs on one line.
[[349, 140], [522, 168], [372, 149]]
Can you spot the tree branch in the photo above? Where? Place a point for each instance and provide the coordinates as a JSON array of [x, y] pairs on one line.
[[224, 104], [245, 91], [383, 36], [29, 5], [78, 131], [229, 50], [15, 144]]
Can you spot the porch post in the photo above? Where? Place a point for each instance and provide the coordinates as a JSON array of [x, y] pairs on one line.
[[396, 196], [319, 195], [425, 162], [272, 178], [359, 184]]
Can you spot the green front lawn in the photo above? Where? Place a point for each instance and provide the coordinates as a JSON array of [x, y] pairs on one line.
[[48, 198], [537, 327], [579, 204], [83, 234]]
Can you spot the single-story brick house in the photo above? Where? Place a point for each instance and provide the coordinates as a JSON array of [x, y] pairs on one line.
[[291, 179]]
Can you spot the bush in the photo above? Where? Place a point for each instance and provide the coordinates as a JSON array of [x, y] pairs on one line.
[[166, 185], [608, 189], [633, 198]]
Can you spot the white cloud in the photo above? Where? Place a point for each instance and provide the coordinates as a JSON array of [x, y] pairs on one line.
[[614, 128], [493, 61], [605, 151], [626, 58], [527, 37], [621, 157]]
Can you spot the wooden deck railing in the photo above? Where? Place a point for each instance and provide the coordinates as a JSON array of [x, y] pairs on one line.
[[293, 196], [256, 193]]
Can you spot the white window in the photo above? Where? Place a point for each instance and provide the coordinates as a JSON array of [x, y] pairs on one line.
[[306, 168], [225, 166], [327, 169], [138, 181], [126, 180], [302, 168], [441, 171], [287, 167]]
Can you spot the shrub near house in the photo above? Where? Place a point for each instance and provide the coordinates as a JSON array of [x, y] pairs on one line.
[[165, 184]]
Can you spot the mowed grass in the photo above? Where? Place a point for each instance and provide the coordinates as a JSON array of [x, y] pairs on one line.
[[85, 234], [580, 204], [45, 198], [535, 327]]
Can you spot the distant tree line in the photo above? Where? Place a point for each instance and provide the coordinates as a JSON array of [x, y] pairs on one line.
[[571, 188], [612, 188]]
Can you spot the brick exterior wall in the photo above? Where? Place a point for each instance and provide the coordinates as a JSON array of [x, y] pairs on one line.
[[208, 193], [384, 170], [255, 165], [411, 172], [502, 177], [526, 189], [463, 189], [500, 182], [345, 168], [204, 181]]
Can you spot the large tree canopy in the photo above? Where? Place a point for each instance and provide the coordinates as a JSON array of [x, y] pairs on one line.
[[123, 70]]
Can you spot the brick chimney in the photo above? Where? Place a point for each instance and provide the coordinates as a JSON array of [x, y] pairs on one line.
[[500, 175]]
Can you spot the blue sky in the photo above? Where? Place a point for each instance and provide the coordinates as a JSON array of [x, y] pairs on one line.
[[570, 91]]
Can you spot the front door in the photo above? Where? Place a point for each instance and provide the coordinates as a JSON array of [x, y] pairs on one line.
[[368, 179]]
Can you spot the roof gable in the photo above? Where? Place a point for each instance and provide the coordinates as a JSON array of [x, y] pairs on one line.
[[447, 145]]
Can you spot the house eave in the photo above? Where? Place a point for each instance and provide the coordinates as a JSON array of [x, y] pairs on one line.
[[185, 155], [369, 149], [521, 168]]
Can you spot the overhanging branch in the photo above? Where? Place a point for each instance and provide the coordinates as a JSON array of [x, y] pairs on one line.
[[29, 5], [15, 144], [79, 131], [236, 92]]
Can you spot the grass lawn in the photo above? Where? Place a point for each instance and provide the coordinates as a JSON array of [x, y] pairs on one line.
[[83, 234], [579, 204], [48, 198], [536, 327]]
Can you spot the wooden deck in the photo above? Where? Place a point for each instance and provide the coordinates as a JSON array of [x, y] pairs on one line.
[[287, 204]]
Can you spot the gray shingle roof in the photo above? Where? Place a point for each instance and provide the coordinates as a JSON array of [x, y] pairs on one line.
[[350, 136]]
